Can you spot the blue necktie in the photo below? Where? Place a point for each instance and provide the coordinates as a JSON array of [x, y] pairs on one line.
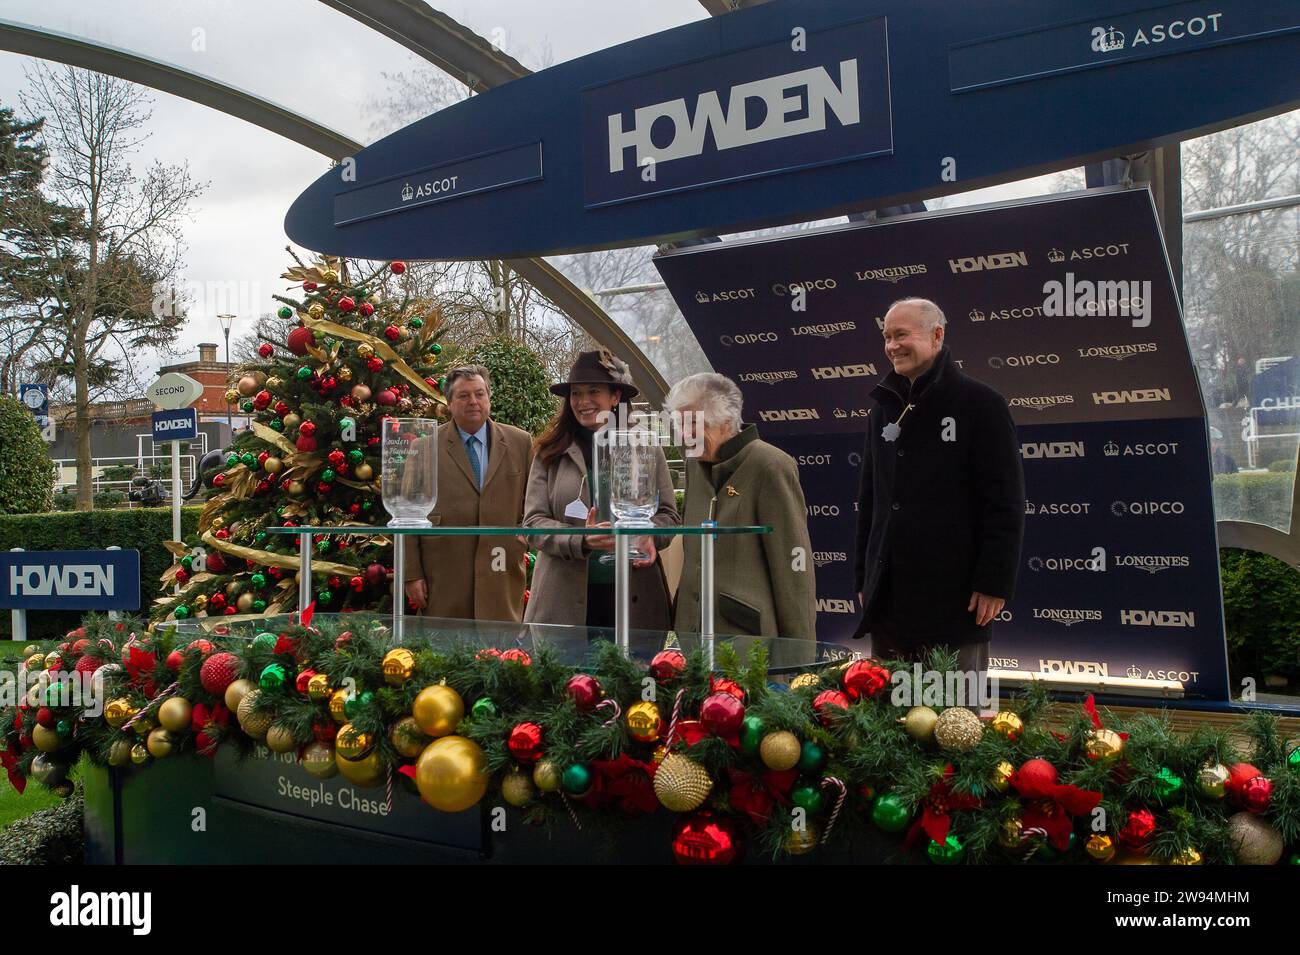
[[470, 446]]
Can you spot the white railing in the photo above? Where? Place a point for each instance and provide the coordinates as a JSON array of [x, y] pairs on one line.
[[142, 464]]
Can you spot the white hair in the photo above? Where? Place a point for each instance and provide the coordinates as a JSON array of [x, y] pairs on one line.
[[931, 314], [715, 397]]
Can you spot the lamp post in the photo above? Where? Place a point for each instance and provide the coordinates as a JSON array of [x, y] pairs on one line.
[[226, 321]]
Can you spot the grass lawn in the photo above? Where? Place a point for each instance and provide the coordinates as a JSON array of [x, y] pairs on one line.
[[14, 806]]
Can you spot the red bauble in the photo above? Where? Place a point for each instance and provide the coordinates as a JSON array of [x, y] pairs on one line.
[[354, 507], [309, 286], [266, 349], [300, 339], [864, 679], [174, 660], [525, 742], [45, 717], [336, 458], [182, 575], [1036, 774], [218, 480], [217, 601], [357, 583], [328, 384], [205, 745], [305, 443], [303, 678], [723, 685], [1238, 775], [366, 309], [281, 408], [585, 690], [203, 646], [721, 714], [307, 428], [667, 665], [706, 839], [488, 653], [219, 670], [262, 487], [216, 563], [375, 574], [222, 534], [346, 304], [343, 639], [397, 267], [88, 665], [80, 645], [375, 363], [827, 700], [392, 333], [261, 400], [261, 459], [231, 610], [1138, 829], [386, 398], [516, 655], [323, 488]]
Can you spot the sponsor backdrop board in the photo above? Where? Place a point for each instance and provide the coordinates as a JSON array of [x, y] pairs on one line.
[[1120, 568]]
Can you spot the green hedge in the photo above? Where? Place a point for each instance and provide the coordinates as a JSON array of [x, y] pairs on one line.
[[26, 471], [143, 529], [1264, 498], [1261, 609]]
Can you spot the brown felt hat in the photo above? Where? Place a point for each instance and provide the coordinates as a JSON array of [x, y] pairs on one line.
[[599, 368]]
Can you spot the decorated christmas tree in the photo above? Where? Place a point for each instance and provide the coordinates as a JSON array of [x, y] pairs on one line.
[[351, 356]]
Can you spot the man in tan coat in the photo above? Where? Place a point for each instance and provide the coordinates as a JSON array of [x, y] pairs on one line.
[[482, 475]]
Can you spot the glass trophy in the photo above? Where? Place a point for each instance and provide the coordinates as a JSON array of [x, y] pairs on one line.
[[409, 479], [629, 466]]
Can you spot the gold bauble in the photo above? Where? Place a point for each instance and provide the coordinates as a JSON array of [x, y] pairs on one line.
[[1009, 833], [919, 724], [245, 602], [681, 784], [119, 754], [318, 760], [174, 714], [253, 723], [406, 737], [364, 472], [398, 666], [1189, 856], [1002, 774], [297, 488], [236, 692], [30, 650], [318, 688], [232, 589], [517, 788], [274, 382], [139, 754], [1253, 840], [315, 309], [546, 776], [780, 750], [345, 373], [218, 521], [247, 386], [803, 840], [644, 722], [117, 712], [273, 465], [160, 743], [1104, 745], [1100, 847], [1008, 725], [199, 603], [351, 743], [46, 738], [438, 710], [366, 772], [958, 729], [331, 276], [144, 726], [231, 396], [360, 394], [338, 700], [452, 774], [291, 421], [1212, 780], [279, 739], [365, 351], [809, 681], [658, 755]]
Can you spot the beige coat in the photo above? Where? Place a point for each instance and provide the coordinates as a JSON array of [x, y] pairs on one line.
[[467, 577], [760, 591], [559, 591]]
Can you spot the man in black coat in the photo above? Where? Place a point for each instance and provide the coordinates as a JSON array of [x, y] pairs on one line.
[[941, 507]]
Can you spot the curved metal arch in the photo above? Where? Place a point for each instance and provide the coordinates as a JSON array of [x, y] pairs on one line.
[[167, 78]]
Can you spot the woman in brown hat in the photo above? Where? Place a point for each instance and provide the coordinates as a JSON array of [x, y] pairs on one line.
[[571, 585]]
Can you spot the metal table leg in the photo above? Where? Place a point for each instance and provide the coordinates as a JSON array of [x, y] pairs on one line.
[[707, 593], [399, 587], [622, 591], [304, 572]]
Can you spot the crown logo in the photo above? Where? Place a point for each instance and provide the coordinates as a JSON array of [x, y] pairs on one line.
[[1056, 255], [976, 315], [407, 193], [702, 297], [1134, 672], [1111, 450], [1112, 40]]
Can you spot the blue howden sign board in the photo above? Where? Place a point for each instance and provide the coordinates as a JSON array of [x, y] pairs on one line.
[[797, 109], [1066, 306], [179, 425], [70, 580]]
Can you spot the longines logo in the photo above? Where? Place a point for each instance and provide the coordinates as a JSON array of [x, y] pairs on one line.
[[1066, 617], [1095, 563], [824, 557], [1041, 402], [1110, 40], [1056, 256], [1004, 663], [824, 331], [790, 414], [980, 263], [769, 377], [748, 338], [1136, 672], [843, 371], [1146, 508], [1035, 450], [833, 605], [1118, 352], [1024, 361], [731, 295], [1057, 509], [1074, 667], [820, 285], [1157, 448], [1133, 396], [1005, 314], [1153, 563], [1157, 618], [892, 274]]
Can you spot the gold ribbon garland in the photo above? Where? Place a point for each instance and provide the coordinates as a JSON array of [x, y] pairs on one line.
[[382, 349]]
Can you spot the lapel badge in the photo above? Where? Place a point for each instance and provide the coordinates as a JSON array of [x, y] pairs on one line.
[[731, 491]]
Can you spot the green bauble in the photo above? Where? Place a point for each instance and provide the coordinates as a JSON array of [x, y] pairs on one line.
[[811, 758], [187, 561], [247, 459], [442, 384], [264, 641], [416, 323], [232, 459], [285, 312], [277, 424], [258, 580], [247, 407], [273, 677], [948, 852], [259, 605], [259, 537], [808, 796], [889, 813], [324, 546], [367, 505], [1293, 757], [64, 728], [324, 597], [345, 423], [354, 706], [751, 734], [181, 612], [576, 779], [327, 475], [303, 373], [436, 348], [483, 709], [1168, 785], [356, 456]]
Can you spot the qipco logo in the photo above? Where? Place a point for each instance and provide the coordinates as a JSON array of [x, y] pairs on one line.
[[748, 338]]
